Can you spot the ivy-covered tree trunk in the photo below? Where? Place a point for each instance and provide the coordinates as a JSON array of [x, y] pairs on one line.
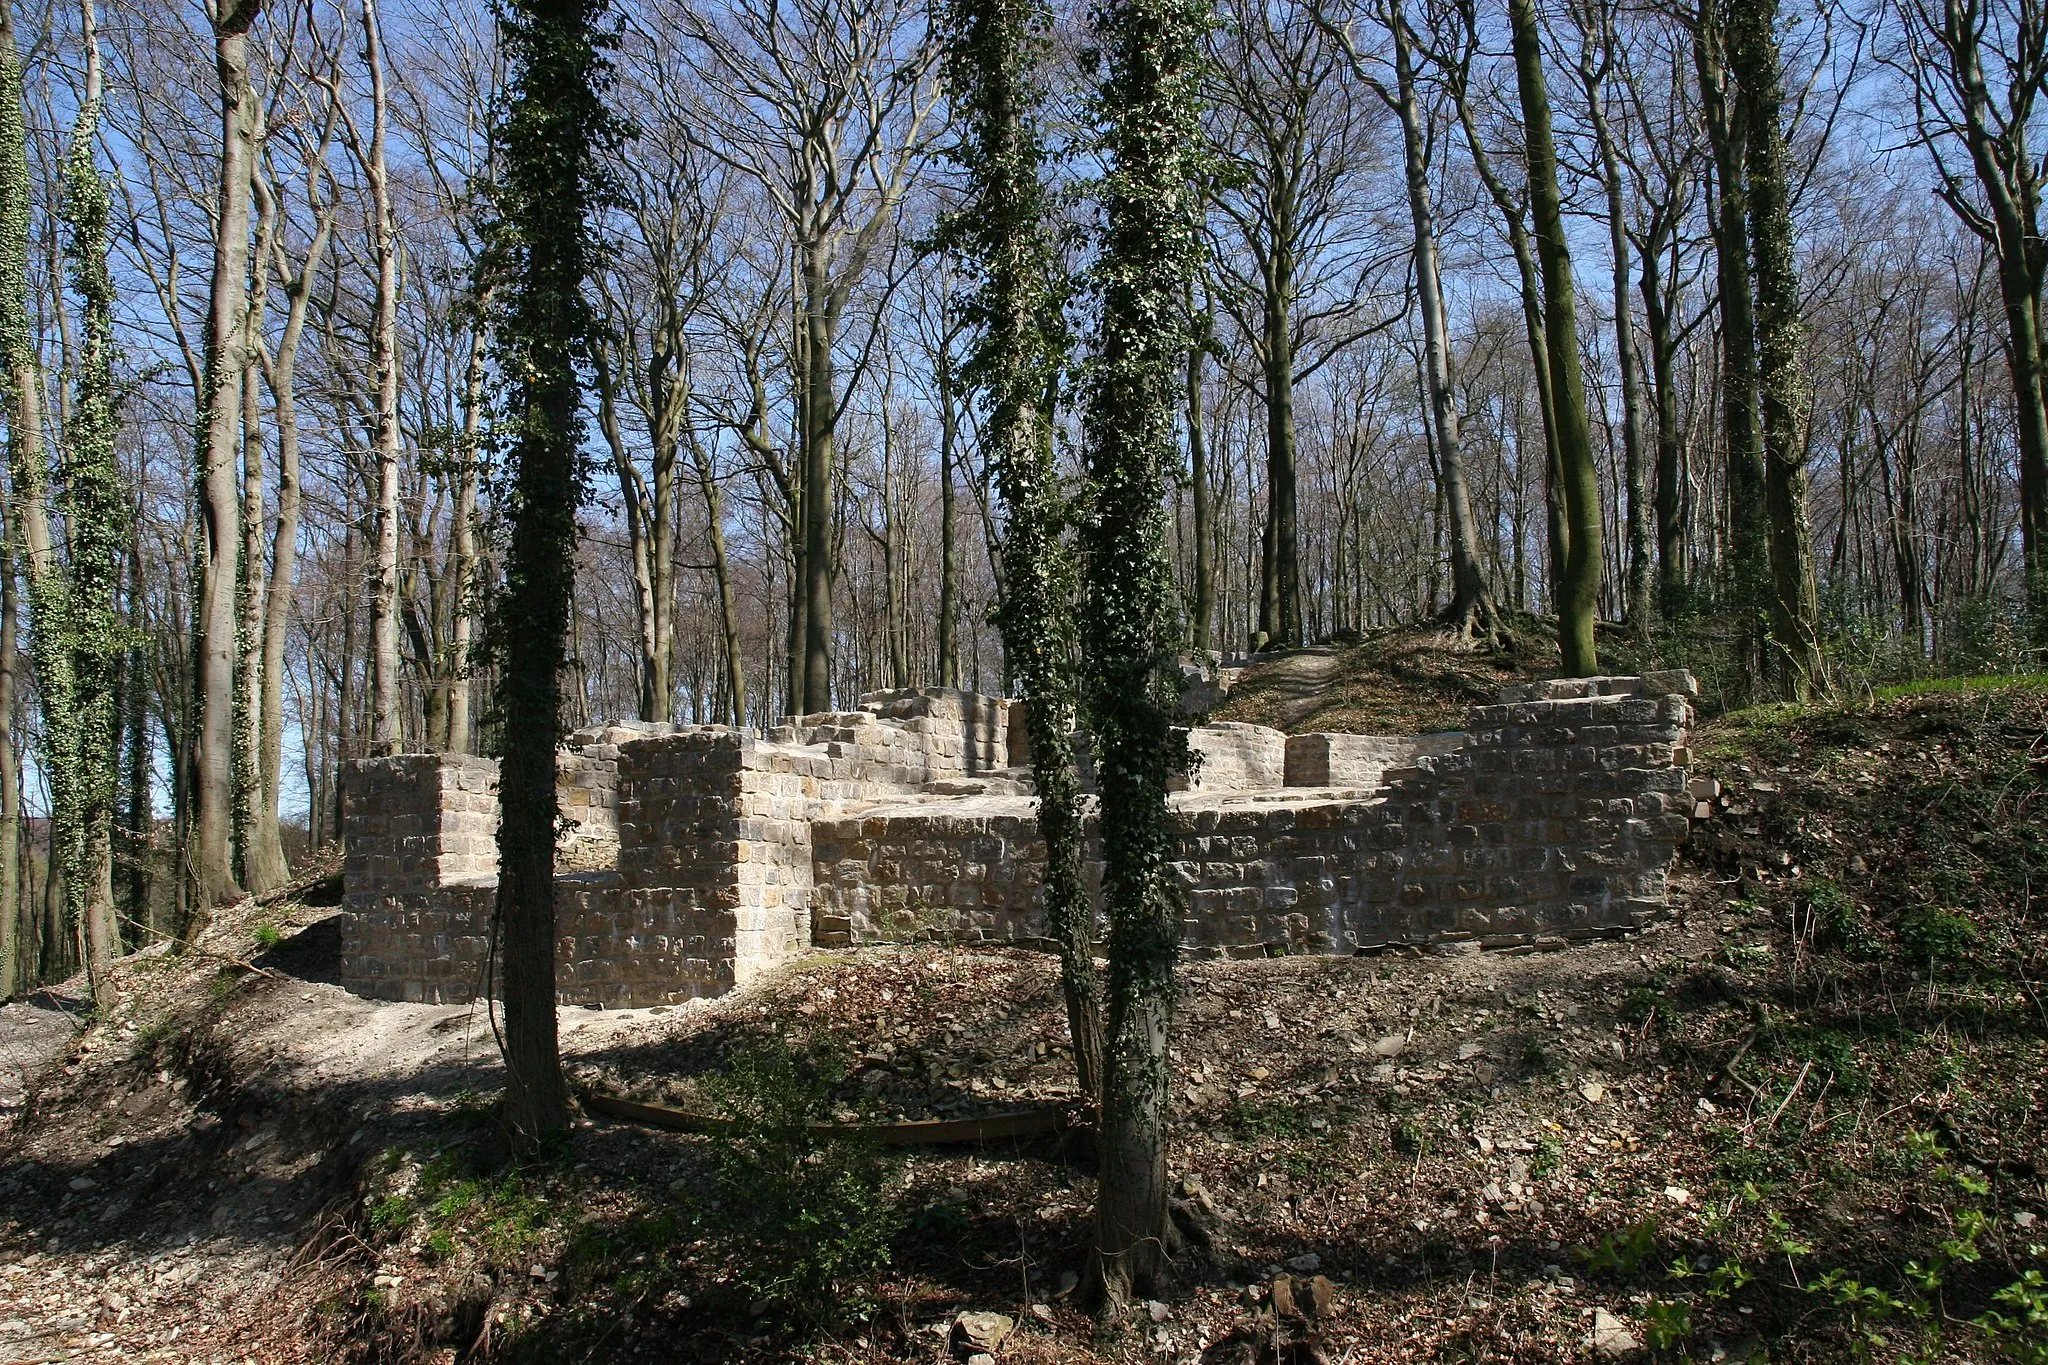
[[1004, 234], [1781, 375], [25, 466], [96, 511], [1151, 248], [1578, 597], [550, 133]]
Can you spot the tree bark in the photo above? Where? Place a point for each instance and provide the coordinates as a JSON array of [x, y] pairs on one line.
[[552, 132], [1578, 600], [1530, 288], [1204, 513], [1781, 376], [12, 977], [949, 608], [1149, 257], [1281, 571], [1720, 113], [386, 722], [257, 834], [1638, 606], [209, 878], [282, 374], [821, 398], [1471, 611]]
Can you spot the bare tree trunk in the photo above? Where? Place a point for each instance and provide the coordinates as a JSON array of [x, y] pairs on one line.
[[282, 374], [820, 464], [721, 572], [1673, 565], [1527, 272], [1471, 610], [949, 435], [462, 541], [209, 862], [1748, 534], [386, 734], [1282, 569], [1578, 599], [257, 835], [1204, 511], [1638, 606]]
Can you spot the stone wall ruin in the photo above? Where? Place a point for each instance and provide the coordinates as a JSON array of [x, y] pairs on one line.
[[702, 855]]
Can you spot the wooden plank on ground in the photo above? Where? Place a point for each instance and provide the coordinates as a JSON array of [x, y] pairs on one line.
[[1018, 1123]]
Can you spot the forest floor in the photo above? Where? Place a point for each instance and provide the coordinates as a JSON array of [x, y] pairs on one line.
[[1804, 1120]]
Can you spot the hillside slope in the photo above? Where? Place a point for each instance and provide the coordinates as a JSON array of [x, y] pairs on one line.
[[1801, 1121]]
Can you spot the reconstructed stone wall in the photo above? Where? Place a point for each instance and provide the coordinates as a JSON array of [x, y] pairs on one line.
[[692, 847], [1554, 815]]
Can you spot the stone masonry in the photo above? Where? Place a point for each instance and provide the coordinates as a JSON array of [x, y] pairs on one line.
[[1553, 816]]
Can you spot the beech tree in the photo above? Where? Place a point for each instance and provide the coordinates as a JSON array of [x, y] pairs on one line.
[[1579, 588]]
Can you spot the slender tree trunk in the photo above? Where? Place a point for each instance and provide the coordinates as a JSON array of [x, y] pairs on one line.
[[282, 372], [1781, 376], [386, 722], [209, 862], [992, 56], [721, 572], [1198, 488], [1579, 595], [821, 317], [949, 435], [1281, 570], [462, 541], [1471, 610], [1637, 571], [96, 509], [1748, 534], [262, 692], [26, 527], [1673, 571], [1529, 282]]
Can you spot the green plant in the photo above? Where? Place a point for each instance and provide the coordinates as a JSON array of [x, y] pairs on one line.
[[1622, 1252], [804, 1218], [267, 935], [1937, 937], [390, 1213], [2021, 1334], [1836, 919], [1667, 1324], [1549, 1156]]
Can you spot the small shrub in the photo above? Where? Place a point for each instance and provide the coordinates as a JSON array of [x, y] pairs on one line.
[[1838, 923], [268, 935], [803, 1218], [1937, 937]]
